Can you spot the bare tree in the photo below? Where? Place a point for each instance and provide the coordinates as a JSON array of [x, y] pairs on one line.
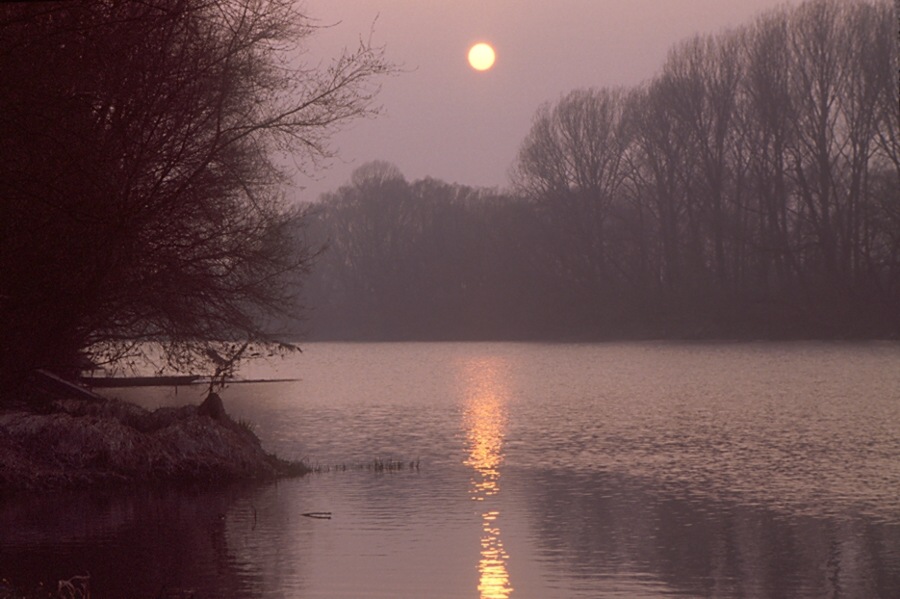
[[141, 196], [370, 230], [768, 120], [571, 166], [660, 180], [702, 77]]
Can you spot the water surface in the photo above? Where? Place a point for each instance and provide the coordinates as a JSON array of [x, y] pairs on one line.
[[545, 470]]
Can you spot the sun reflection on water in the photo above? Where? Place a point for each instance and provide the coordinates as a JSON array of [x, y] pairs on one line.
[[487, 394]]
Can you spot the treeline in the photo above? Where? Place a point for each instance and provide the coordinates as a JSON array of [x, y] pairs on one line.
[[752, 188]]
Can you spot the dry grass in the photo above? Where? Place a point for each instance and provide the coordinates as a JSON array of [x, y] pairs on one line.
[[375, 465], [79, 445]]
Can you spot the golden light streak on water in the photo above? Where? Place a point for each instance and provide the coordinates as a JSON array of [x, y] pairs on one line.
[[487, 395]]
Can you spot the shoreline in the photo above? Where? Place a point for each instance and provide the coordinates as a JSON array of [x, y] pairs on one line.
[[72, 444]]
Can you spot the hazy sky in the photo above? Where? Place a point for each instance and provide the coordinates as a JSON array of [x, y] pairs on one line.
[[443, 119]]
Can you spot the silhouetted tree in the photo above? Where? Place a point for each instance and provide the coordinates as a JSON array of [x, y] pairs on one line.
[[139, 192], [768, 122], [571, 166], [368, 226], [427, 258]]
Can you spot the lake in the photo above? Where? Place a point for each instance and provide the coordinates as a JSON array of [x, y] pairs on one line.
[[639, 470]]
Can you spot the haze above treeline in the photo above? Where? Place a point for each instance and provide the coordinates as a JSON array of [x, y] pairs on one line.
[[751, 189]]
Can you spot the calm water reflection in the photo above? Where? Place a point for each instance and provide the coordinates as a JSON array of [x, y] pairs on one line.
[[486, 396], [573, 471], [136, 544], [602, 526]]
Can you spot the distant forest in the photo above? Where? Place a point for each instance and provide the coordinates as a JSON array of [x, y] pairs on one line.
[[750, 190]]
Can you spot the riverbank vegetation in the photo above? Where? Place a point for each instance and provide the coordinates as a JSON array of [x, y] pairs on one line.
[[73, 443], [750, 190]]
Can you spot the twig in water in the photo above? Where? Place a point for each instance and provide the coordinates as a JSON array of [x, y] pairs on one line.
[[318, 515]]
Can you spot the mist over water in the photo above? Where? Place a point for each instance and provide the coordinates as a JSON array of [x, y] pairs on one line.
[[546, 470]]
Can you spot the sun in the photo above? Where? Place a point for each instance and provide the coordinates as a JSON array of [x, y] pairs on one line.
[[481, 56]]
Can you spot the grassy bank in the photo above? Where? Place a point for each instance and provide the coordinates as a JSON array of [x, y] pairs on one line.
[[70, 443]]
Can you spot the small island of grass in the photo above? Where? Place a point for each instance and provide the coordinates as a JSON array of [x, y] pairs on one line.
[[67, 443]]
